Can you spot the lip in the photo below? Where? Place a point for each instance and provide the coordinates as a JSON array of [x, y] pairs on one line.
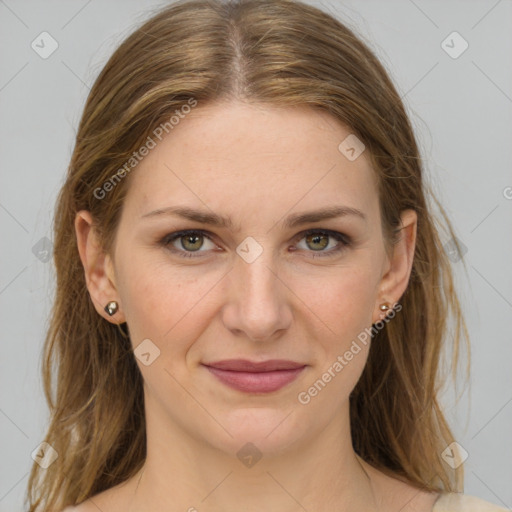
[[256, 377]]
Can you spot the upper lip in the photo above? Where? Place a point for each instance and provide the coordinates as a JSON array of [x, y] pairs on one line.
[[244, 365]]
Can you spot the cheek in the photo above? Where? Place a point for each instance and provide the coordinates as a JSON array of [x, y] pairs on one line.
[[162, 302], [344, 300], [344, 305]]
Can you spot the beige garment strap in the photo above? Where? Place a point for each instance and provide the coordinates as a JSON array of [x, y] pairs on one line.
[[457, 502]]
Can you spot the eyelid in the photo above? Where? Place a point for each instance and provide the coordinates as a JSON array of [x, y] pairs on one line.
[[168, 239], [344, 241]]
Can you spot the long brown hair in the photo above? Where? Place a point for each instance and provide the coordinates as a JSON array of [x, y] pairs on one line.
[[278, 53]]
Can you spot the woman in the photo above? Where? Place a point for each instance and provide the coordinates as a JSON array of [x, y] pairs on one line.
[[252, 297]]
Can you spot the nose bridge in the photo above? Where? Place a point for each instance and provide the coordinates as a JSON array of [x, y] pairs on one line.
[[258, 302], [259, 281]]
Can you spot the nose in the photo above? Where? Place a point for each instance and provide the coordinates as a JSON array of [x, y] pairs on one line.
[[257, 304]]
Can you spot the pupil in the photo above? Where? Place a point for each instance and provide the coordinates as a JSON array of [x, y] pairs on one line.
[[315, 238], [191, 238]]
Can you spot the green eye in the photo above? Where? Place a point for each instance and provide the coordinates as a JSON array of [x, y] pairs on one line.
[[192, 241], [320, 239]]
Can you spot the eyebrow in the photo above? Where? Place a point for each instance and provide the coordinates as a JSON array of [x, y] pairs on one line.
[[296, 219]]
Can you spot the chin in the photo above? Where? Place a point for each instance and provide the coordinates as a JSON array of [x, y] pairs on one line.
[[270, 430]]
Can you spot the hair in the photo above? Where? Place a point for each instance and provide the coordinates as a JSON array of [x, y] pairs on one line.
[[279, 53]]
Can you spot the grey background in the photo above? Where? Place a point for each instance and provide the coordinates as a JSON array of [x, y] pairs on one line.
[[462, 112]]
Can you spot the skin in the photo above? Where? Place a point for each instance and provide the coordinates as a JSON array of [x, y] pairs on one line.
[[257, 165]]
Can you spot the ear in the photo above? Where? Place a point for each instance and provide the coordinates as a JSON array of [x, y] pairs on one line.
[[98, 268], [394, 283]]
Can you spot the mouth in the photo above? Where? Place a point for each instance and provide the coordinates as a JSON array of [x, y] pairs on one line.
[[256, 377]]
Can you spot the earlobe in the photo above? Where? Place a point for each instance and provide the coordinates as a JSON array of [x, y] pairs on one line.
[[98, 268], [394, 283]]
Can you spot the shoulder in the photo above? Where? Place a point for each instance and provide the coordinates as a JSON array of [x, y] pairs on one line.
[[457, 502], [94, 504], [114, 498], [86, 506]]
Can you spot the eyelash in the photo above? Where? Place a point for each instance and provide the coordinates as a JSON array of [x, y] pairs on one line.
[[345, 242]]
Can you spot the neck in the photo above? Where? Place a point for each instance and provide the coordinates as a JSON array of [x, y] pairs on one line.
[[181, 472]]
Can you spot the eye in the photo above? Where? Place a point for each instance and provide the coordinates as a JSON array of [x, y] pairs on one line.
[[188, 244], [319, 239]]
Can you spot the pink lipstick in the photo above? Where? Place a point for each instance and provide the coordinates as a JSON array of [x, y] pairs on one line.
[[256, 377]]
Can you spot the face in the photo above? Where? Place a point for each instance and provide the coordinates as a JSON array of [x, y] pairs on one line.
[[266, 284]]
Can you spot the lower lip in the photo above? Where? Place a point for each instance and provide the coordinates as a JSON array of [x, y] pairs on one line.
[[256, 382]]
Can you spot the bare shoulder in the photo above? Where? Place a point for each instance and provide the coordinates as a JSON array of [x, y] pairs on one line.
[[408, 498], [458, 502], [83, 507], [111, 500], [89, 505], [400, 495], [114, 499]]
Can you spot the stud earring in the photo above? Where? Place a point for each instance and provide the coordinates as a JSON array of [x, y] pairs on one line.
[[111, 308], [384, 306]]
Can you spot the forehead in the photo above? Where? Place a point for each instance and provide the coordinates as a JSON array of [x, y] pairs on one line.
[[241, 158]]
